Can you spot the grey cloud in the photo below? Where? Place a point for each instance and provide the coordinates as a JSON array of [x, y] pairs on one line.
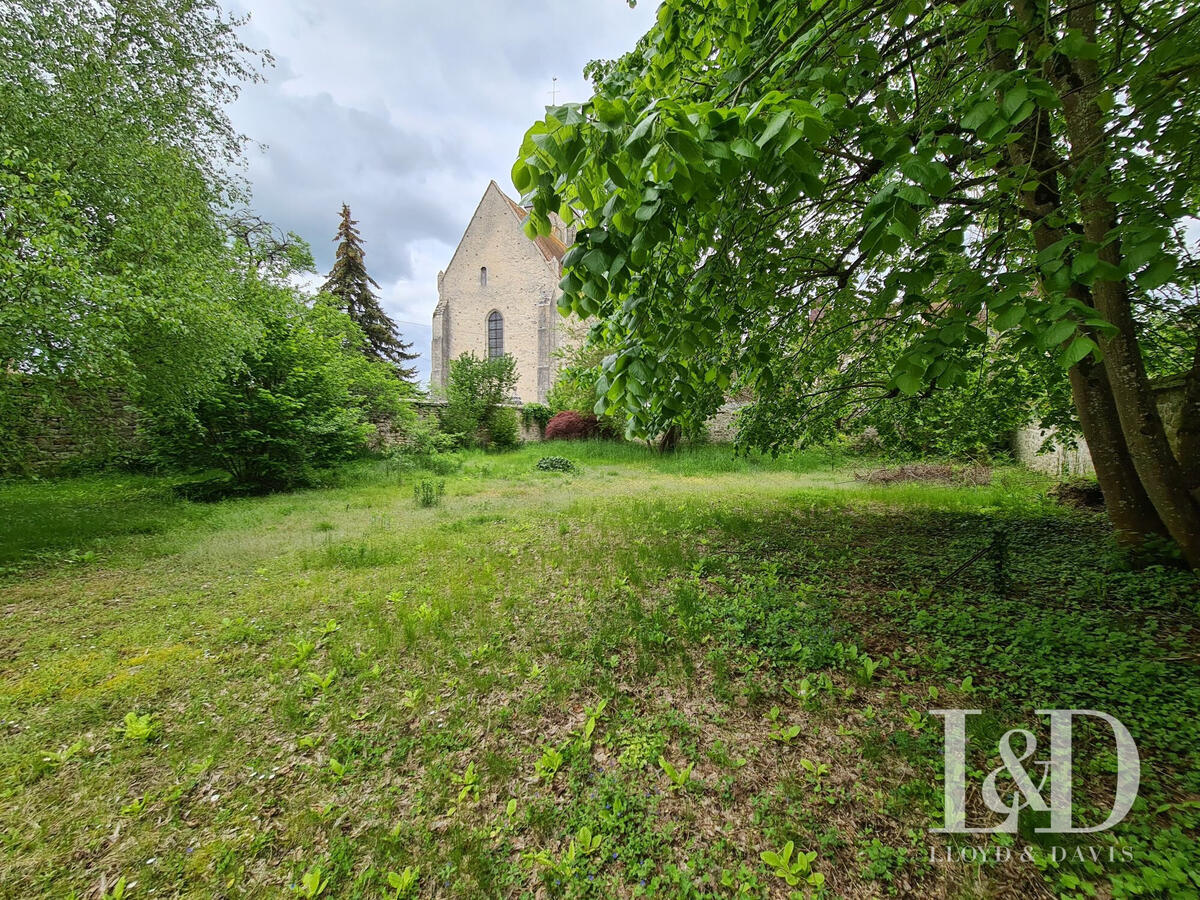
[[405, 110], [321, 154]]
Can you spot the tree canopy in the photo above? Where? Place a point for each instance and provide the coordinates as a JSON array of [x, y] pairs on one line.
[[130, 265], [116, 167], [847, 199]]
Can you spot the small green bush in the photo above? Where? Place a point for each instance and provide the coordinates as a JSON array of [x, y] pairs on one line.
[[556, 464], [425, 438], [501, 425], [425, 446], [429, 493], [296, 404]]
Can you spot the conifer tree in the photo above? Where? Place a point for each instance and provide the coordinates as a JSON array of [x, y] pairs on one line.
[[350, 283]]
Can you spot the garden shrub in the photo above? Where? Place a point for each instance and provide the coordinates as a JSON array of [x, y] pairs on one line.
[[556, 464], [569, 425], [476, 392], [422, 444], [501, 428], [299, 401]]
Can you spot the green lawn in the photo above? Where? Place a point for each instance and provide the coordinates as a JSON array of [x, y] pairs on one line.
[[341, 684]]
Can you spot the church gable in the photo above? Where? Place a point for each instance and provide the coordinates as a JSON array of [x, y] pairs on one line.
[[499, 295], [495, 234]]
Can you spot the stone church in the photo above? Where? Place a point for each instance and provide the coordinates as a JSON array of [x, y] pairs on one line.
[[499, 294]]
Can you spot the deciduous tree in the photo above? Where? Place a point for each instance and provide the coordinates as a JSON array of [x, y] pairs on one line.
[[773, 193], [476, 393], [115, 160]]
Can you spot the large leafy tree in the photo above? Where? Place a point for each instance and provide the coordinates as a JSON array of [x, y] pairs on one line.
[[352, 286], [852, 198], [115, 162]]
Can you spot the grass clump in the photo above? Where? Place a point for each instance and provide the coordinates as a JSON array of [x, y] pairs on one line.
[[429, 493]]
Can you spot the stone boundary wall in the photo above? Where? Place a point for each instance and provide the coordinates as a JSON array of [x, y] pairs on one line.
[[112, 428], [86, 427], [722, 427], [60, 440], [1068, 462]]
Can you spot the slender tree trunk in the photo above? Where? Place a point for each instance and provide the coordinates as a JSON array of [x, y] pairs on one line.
[[1159, 471], [669, 439], [1034, 159], [1129, 508]]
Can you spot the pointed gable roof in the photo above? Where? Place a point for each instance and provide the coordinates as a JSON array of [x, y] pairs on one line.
[[552, 248], [549, 246]]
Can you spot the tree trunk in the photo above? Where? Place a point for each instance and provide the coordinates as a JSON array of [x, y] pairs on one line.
[[1129, 508], [669, 439], [1159, 472], [1034, 159]]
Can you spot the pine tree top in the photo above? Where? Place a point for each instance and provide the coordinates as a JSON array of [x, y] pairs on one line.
[[349, 282]]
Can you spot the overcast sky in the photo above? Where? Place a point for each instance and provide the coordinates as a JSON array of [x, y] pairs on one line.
[[405, 110]]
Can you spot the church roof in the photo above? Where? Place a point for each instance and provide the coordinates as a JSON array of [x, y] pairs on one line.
[[551, 247]]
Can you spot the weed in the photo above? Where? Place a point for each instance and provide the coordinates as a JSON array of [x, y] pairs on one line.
[[468, 783], [140, 728], [915, 719], [589, 725], [56, 758], [793, 871], [881, 862], [330, 628], [781, 731], [314, 682], [429, 493], [405, 882], [312, 883], [679, 777], [816, 772], [302, 649], [548, 764], [868, 667]]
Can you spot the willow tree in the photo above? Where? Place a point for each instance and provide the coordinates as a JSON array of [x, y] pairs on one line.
[[784, 196]]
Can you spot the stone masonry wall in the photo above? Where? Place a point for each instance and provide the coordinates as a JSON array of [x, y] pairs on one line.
[[92, 427], [1067, 462]]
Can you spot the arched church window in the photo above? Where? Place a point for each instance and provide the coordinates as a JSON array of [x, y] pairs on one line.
[[495, 331], [483, 276]]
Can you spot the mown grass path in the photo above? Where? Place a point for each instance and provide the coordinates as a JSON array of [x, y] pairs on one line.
[[630, 681]]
